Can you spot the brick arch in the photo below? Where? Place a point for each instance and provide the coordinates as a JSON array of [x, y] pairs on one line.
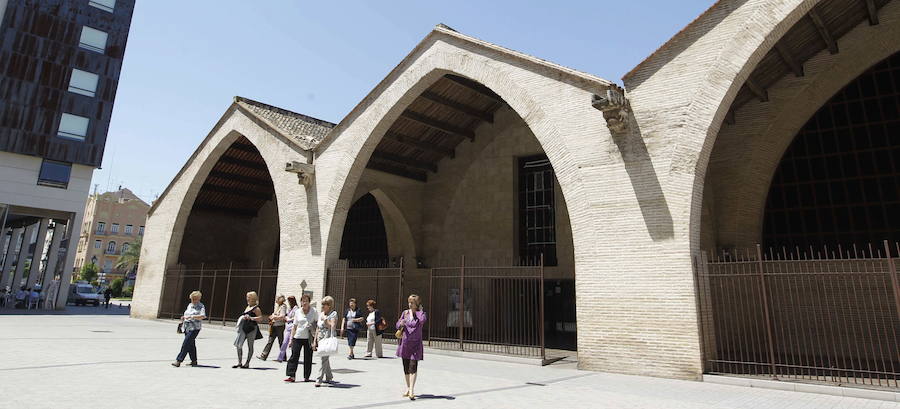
[[714, 96], [418, 77], [794, 102]]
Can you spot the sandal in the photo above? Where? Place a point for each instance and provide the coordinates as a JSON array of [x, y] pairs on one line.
[[236, 366]]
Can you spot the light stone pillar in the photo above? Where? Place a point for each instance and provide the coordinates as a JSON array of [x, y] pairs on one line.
[[53, 257], [10, 256], [73, 232], [35, 269], [23, 254]]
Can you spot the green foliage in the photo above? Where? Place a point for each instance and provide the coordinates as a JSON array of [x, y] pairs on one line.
[[89, 273], [129, 259], [116, 287], [128, 292]]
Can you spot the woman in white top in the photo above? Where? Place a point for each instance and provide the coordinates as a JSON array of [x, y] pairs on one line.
[[326, 328], [374, 333], [190, 324], [304, 324]]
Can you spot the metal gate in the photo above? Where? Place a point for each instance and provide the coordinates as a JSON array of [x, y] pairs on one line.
[[224, 290], [829, 315]]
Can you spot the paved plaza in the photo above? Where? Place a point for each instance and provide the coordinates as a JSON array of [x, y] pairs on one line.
[[93, 358]]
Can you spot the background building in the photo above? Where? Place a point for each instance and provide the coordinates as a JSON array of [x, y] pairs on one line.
[[113, 221], [59, 70]]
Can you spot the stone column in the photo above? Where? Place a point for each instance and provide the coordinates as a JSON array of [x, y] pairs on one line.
[[73, 232], [10, 255], [53, 257], [23, 254], [35, 269]]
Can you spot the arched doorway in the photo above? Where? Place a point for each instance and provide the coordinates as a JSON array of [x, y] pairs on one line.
[[471, 180], [365, 240], [231, 239]]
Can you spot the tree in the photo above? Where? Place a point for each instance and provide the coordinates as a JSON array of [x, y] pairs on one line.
[[88, 272], [129, 259], [116, 287]]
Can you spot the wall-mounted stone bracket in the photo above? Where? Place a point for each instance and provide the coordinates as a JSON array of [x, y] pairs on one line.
[[615, 109], [304, 171]]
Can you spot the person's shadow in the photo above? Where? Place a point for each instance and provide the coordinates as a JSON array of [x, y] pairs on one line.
[[429, 396], [208, 366], [343, 385]]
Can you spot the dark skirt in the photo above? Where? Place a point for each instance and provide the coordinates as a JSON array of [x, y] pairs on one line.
[[352, 334]]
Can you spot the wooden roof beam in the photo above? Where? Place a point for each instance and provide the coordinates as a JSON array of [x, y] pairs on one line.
[[418, 176], [789, 59], [400, 160], [236, 192], [474, 86], [456, 106], [214, 208], [757, 90], [241, 178], [244, 148], [823, 31], [418, 144], [872, 11], [244, 163], [439, 125]]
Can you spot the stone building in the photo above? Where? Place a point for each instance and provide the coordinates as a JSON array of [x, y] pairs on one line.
[[113, 221], [470, 149], [59, 72]]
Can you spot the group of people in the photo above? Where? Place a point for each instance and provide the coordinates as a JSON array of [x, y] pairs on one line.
[[304, 330], [22, 297]]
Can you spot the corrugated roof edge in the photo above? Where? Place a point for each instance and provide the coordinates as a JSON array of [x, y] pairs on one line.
[[444, 30]]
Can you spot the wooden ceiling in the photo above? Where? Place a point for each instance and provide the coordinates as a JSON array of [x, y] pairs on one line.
[[818, 30], [430, 129], [239, 183]]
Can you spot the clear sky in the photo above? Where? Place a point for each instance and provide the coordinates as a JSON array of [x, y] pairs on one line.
[[186, 60]]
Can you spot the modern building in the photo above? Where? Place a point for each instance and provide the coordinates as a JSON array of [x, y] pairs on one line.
[[59, 70], [533, 206], [113, 221]]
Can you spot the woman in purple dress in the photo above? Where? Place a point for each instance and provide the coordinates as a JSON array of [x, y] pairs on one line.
[[410, 324]]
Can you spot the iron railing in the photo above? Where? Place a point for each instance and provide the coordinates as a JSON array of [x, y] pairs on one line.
[[224, 289], [826, 315]]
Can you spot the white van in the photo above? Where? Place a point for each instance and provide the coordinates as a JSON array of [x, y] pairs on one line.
[[82, 294]]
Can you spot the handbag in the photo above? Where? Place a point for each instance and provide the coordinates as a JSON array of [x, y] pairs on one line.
[[382, 325], [179, 330], [327, 346], [399, 333]]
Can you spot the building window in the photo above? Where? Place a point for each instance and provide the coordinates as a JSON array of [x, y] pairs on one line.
[[537, 216], [93, 39], [114, 229], [107, 266], [98, 244], [128, 229], [54, 174], [101, 227], [72, 127], [105, 5], [83, 82], [125, 247], [111, 247], [141, 231]]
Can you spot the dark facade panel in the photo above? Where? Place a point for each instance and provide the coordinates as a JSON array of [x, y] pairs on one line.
[[39, 47]]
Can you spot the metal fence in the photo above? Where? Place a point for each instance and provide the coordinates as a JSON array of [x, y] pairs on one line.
[[827, 315], [494, 309], [224, 289]]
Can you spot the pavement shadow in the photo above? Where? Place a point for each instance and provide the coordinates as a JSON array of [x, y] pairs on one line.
[[343, 385], [208, 366], [428, 396]]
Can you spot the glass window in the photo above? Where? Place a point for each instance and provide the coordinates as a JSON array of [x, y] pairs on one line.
[[111, 247], [93, 39], [106, 5], [54, 174], [83, 82], [128, 228], [115, 228], [101, 227], [125, 247], [98, 244], [537, 215], [141, 231], [107, 266], [72, 127]]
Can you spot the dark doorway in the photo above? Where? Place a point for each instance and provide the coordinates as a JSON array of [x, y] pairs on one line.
[[560, 331], [364, 243]]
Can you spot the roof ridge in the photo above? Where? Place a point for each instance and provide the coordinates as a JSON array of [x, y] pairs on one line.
[[303, 130], [238, 98]]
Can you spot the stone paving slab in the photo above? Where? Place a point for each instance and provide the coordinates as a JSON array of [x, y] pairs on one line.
[[112, 361]]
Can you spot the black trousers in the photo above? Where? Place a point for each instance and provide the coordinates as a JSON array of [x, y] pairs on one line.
[[275, 332], [189, 346], [296, 346]]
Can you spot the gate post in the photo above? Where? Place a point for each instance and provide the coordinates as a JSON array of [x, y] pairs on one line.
[[399, 288], [895, 283], [200, 287], [765, 302], [461, 314], [541, 300], [212, 294], [178, 286], [430, 302], [227, 289]]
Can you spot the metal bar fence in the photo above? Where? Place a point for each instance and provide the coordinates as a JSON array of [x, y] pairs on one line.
[[829, 315], [223, 288]]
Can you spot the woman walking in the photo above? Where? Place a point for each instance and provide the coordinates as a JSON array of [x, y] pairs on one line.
[[248, 329], [190, 324], [276, 327], [410, 350], [326, 328], [288, 326], [352, 323], [301, 336], [375, 328]]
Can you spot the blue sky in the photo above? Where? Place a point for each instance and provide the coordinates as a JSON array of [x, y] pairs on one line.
[[186, 60]]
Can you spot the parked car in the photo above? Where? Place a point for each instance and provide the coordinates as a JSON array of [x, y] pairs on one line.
[[82, 294]]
